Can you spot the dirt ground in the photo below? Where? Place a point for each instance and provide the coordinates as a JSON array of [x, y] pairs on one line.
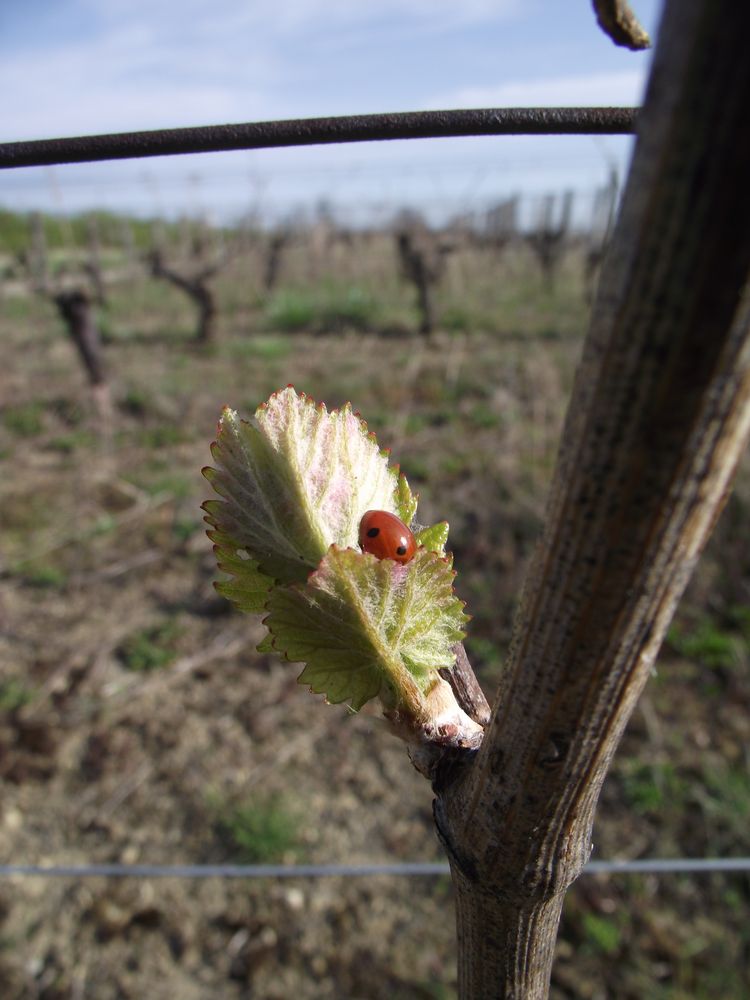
[[138, 724]]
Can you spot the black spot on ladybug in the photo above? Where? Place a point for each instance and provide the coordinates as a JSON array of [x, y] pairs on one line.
[[401, 550], [373, 532]]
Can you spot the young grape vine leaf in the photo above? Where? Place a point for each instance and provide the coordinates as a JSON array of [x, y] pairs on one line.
[[293, 484], [434, 537], [294, 480], [367, 627]]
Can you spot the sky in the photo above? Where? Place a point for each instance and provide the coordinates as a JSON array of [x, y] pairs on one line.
[[75, 67]]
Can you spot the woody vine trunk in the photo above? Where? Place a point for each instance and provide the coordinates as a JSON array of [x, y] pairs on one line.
[[659, 416]]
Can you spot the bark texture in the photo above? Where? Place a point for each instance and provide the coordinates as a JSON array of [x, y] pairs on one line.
[[659, 417]]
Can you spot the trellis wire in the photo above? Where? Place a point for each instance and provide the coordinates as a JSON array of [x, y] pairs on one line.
[[317, 131], [643, 866]]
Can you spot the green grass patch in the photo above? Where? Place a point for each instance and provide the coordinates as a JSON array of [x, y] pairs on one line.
[[738, 617], [291, 311], [707, 644], [137, 402], [484, 653], [456, 318], [24, 420], [19, 308], [651, 788], [105, 524], [259, 831], [150, 648], [45, 576], [723, 794], [161, 436], [323, 310], [713, 644], [455, 465], [67, 444], [14, 694], [269, 348], [170, 482], [183, 528], [602, 934], [354, 308], [483, 416]]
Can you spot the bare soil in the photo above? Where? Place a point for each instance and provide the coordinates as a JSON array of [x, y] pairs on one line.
[[138, 724]]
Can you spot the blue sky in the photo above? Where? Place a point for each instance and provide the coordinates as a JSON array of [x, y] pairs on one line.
[[70, 67]]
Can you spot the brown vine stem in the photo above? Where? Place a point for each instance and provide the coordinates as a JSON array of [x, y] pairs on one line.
[[465, 685], [659, 416]]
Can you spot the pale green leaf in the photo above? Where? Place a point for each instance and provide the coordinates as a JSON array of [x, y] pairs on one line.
[[249, 588], [266, 644], [434, 537], [406, 501], [367, 627], [295, 480]]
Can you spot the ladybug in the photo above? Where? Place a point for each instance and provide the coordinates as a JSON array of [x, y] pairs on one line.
[[386, 536]]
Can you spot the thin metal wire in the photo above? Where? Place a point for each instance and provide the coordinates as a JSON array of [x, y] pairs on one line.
[[644, 866], [225, 871], [316, 131], [668, 866]]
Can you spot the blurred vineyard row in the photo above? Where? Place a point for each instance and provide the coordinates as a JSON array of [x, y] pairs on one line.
[[137, 721]]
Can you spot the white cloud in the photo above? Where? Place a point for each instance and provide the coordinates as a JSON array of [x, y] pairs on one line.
[[598, 89], [145, 64], [131, 78], [436, 13], [276, 16]]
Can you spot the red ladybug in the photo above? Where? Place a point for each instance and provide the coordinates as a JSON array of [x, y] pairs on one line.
[[386, 536]]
